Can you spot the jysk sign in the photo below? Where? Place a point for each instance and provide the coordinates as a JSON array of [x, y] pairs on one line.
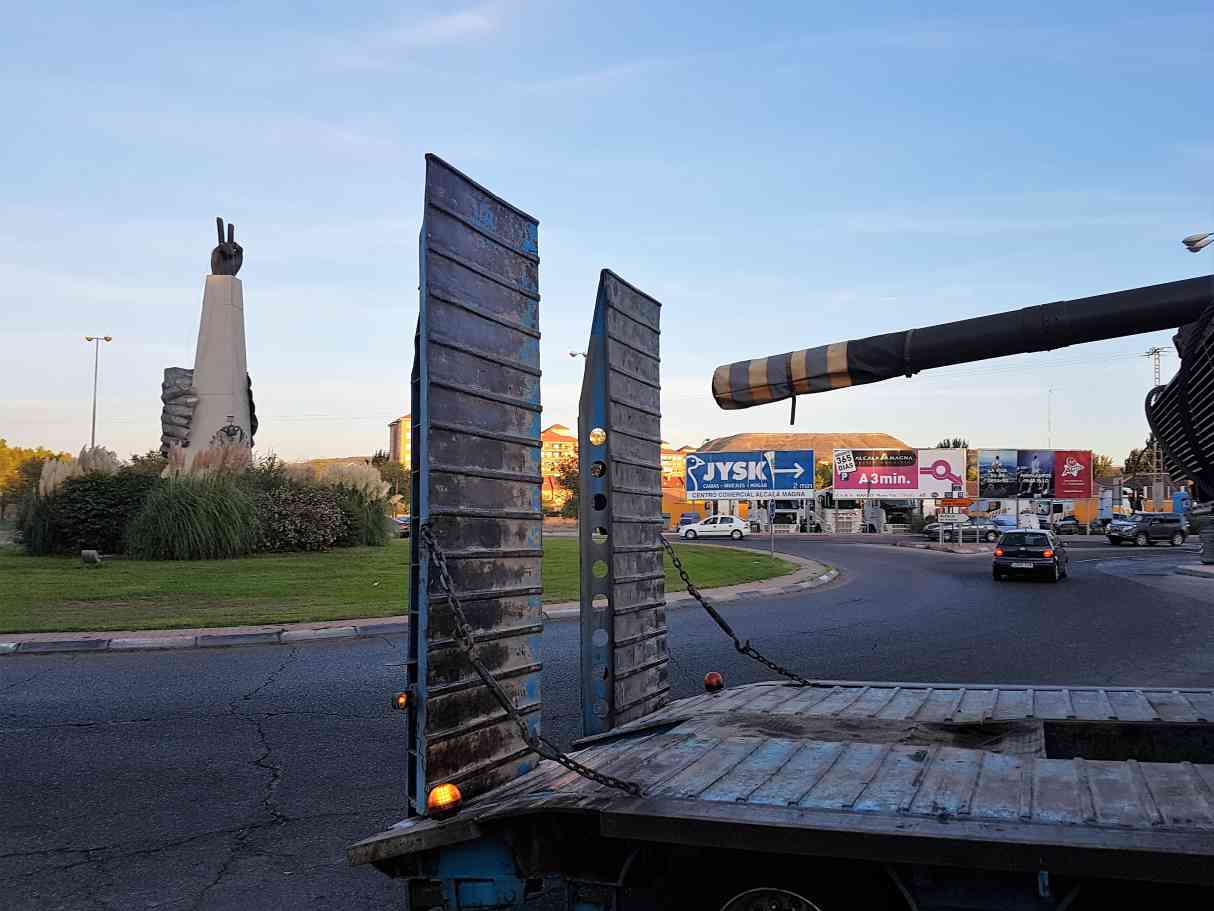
[[785, 474]]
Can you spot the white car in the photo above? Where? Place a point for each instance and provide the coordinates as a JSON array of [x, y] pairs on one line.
[[721, 526]]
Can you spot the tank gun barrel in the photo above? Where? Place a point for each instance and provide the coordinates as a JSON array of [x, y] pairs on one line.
[[1039, 328]]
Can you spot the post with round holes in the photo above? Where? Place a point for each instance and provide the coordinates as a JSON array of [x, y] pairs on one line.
[[623, 616]]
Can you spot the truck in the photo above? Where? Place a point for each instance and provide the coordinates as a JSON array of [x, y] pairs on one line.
[[796, 793]]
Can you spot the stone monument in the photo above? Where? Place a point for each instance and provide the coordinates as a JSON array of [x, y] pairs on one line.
[[212, 405]]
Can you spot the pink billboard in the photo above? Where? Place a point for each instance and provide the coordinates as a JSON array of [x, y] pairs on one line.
[[1072, 474], [877, 472]]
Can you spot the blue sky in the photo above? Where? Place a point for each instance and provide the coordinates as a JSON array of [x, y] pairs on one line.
[[778, 175]]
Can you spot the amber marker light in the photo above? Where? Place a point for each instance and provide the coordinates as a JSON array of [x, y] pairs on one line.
[[998, 551], [444, 800], [400, 701]]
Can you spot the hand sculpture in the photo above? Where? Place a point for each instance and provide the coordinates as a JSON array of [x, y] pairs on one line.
[[227, 258]]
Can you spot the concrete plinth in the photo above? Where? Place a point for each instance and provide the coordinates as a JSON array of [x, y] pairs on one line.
[[221, 369]]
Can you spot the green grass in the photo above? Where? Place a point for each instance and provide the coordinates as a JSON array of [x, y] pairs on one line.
[[55, 594]]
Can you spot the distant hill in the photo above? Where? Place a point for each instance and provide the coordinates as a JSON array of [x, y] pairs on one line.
[[820, 443]]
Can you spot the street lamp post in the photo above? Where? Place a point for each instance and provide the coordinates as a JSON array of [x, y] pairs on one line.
[[96, 340]]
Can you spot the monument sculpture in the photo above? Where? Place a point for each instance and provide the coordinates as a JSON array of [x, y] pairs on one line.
[[212, 404]]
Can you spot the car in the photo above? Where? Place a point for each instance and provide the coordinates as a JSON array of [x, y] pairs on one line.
[[717, 526], [1068, 525], [401, 524], [1145, 528], [972, 529], [1033, 553], [688, 518]]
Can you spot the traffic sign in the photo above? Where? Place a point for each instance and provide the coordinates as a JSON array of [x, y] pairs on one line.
[[956, 501], [950, 517], [783, 474]]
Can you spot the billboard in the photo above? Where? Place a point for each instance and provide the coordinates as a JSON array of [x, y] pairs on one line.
[[1073, 474], [877, 472], [787, 474], [942, 473], [1064, 474], [997, 473]]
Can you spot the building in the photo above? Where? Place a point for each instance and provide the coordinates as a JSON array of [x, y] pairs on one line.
[[400, 441], [558, 445], [674, 461]]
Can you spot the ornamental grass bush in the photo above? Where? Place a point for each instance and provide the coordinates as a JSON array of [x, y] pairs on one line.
[[188, 517], [83, 511]]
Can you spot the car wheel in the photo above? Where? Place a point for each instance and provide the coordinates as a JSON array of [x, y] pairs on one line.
[[948, 536], [1177, 539], [996, 577], [736, 535], [690, 534], [991, 537], [1141, 539], [1057, 573]]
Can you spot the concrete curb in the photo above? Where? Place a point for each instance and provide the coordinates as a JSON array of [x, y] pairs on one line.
[[1200, 570], [809, 576]]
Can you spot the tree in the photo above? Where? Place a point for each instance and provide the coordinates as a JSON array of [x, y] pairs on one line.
[[399, 477], [953, 443], [1102, 466], [380, 458], [568, 477], [20, 468], [152, 462], [1141, 461]]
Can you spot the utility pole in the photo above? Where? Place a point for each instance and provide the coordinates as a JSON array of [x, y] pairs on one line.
[[1049, 419], [96, 340], [1155, 354]]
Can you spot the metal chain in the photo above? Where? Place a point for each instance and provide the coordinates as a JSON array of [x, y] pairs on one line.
[[465, 639], [744, 648]]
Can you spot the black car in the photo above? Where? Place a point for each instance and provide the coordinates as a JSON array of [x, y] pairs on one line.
[[1030, 553], [1145, 528]]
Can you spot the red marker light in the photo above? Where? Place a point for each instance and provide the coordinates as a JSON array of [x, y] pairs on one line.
[[998, 551], [713, 682], [1047, 553]]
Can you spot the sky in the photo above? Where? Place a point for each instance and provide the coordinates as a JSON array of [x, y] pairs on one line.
[[779, 175]]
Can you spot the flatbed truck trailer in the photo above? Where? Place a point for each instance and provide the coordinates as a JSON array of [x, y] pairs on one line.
[[794, 794]]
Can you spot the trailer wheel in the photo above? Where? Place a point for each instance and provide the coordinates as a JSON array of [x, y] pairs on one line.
[[769, 900]]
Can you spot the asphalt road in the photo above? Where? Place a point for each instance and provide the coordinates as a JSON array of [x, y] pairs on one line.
[[234, 778]]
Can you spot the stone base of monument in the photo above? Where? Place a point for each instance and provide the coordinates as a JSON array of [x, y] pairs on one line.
[[221, 380]]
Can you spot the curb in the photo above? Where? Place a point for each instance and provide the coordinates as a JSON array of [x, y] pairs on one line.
[[1200, 571], [148, 641]]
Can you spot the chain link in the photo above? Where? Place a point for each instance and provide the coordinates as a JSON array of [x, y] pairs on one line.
[[744, 648], [465, 639]]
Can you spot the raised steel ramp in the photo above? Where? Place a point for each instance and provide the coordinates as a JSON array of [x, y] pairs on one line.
[[476, 481], [624, 663]]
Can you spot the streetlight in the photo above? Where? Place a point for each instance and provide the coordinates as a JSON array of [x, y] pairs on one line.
[[577, 353], [96, 340]]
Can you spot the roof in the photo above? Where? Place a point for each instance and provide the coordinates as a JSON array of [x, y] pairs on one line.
[[820, 443], [558, 433]]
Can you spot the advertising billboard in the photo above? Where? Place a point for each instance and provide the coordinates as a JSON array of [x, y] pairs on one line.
[[1073, 474], [942, 473], [1064, 474], [864, 473], [787, 474], [997, 473]]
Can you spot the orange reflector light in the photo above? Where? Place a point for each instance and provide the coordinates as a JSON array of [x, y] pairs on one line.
[[444, 800], [713, 682], [400, 701], [998, 551], [1047, 553]]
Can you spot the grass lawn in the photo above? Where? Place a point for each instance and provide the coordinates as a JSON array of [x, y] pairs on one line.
[[55, 594]]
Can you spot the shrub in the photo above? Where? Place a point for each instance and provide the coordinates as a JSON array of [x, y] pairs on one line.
[[194, 518], [297, 517], [365, 518], [84, 511]]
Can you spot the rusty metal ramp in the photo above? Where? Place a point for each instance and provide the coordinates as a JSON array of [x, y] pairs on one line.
[[624, 672], [476, 483]]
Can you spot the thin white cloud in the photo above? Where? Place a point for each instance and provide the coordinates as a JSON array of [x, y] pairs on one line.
[[448, 28]]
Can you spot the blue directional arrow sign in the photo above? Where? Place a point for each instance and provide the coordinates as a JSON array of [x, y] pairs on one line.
[[787, 474]]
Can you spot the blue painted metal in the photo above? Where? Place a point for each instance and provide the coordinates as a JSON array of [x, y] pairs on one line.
[[478, 874], [624, 664], [476, 482]]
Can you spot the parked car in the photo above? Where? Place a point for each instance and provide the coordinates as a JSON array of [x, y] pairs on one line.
[[1068, 525], [1033, 553], [1144, 528], [688, 518], [717, 526], [970, 530], [401, 525]]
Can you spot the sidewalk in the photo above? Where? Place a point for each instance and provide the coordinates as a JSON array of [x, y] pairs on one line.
[[810, 575]]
